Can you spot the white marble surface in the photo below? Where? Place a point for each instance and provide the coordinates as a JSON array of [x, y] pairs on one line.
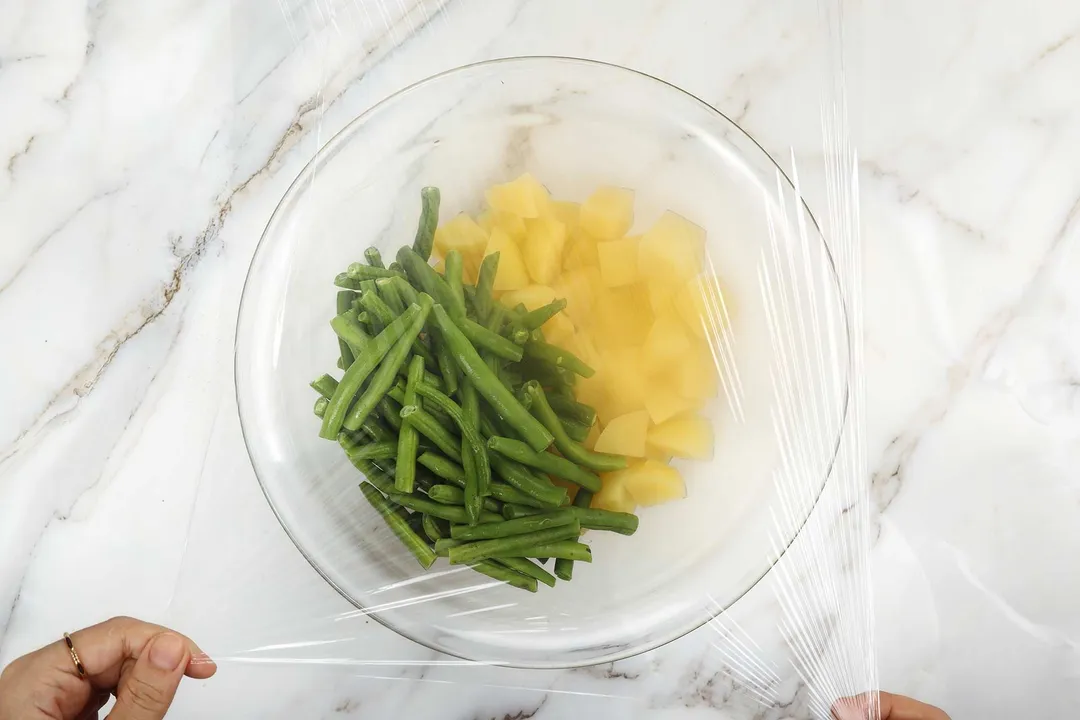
[[146, 145]]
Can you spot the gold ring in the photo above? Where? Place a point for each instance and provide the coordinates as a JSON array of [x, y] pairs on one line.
[[74, 656]]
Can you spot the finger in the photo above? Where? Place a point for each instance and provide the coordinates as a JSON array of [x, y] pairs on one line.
[[90, 712], [898, 707], [104, 647], [147, 691]]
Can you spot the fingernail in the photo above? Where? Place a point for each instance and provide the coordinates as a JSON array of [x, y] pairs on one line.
[[167, 651]]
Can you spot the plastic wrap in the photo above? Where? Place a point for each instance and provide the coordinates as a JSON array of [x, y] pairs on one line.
[[766, 557]]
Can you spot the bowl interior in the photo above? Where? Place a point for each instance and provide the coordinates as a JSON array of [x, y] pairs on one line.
[[574, 125]]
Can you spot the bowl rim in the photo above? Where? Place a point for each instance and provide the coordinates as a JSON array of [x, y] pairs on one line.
[[625, 651]]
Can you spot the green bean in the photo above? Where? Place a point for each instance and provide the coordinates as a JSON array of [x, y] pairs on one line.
[[429, 220], [521, 478], [430, 428], [493, 342], [470, 410], [408, 438], [400, 527], [576, 431], [360, 272], [374, 257], [443, 545], [485, 283], [498, 572], [508, 546], [398, 393], [320, 406], [565, 550], [434, 528], [570, 409], [453, 495], [590, 518], [507, 528], [392, 362], [545, 462], [379, 311], [376, 451], [424, 277], [344, 303], [528, 567], [447, 368], [564, 566], [358, 372], [453, 513], [325, 385], [558, 357], [548, 374], [452, 472], [351, 332], [453, 271], [571, 450], [472, 447], [388, 291], [534, 319], [504, 402]]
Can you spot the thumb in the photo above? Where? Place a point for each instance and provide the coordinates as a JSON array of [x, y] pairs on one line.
[[147, 691]]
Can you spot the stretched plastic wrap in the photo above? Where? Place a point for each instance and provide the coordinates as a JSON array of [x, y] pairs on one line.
[[711, 323]]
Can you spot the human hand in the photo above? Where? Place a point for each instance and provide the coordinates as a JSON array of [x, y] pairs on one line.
[[141, 664], [893, 707]]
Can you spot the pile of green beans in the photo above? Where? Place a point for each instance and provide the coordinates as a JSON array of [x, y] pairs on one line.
[[458, 414]]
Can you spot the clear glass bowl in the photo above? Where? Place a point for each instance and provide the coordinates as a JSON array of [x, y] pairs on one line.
[[574, 125]]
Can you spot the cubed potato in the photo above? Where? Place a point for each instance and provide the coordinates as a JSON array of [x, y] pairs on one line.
[[460, 233], [671, 249], [665, 346], [573, 286], [568, 213], [686, 436], [703, 306], [531, 296], [624, 383], [594, 435], [581, 251], [618, 261], [512, 274], [625, 435], [613, 495], [559, 331], [545, 239], [608, 213], [622, 317], [652, 482], [524, 197], [511, 223], [663, 402], [696, 376]]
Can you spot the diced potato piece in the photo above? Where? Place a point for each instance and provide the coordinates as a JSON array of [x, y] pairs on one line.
[[574, 287], [663, 403], [460, 233], [608, 213], [671, 249], [665, 346], [662, 293], [624, 384], [652, 482], [696, 376], [592, 391], [622, 317], [568, 213], [613, 495], [531, 296], [581, 344], [512, 274], [581, 251], [625, 435], [524, 197], [703, 306], [512, 224], [594, 435], [685, 436], [618, 261], [559, 331], [545, 239]]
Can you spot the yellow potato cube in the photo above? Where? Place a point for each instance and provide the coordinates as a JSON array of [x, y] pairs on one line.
[[618, 261], [581, 251], [545, 239], [608, 213], [594, 435], [624, 384], [685, 436], [613, 495], [696, 376], [531, 296], [671, 249], [460, 233], [592, 391], [625, 435], [652, 482], [568, 213], [622, 317], [512, 274], [663, 402], [559, 331], [666, 345], [574, 287], [704, 307], [512, 224], [524, 197]]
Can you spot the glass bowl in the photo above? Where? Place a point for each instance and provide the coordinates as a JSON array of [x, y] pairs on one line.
[[574, 125]]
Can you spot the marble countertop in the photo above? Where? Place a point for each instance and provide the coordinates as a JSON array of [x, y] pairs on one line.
[[143, 147]]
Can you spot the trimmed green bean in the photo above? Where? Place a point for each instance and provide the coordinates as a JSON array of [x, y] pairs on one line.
[[400, 526], [388, 291], [470, 410], [564, 566], [426, 279], [504, 402], [409, 438], [520, 477], [325, 385], [360, 272], [358, 372], [508, 546], [434, 528], [570, 409], [504, 574], [570, 449], [351, 332], [379, 311], [320, 406], [485, 283], [590, 518], [566, 550], [429, 220], [545, 462], [528, 567], [344, 304], [493, 342], [375, 451], [430, 428], [453, 513], [453, 495], [507, 528], [454, 270], [391, 362], [374, 257], [577, 432], [533, 319], [452, 472]]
